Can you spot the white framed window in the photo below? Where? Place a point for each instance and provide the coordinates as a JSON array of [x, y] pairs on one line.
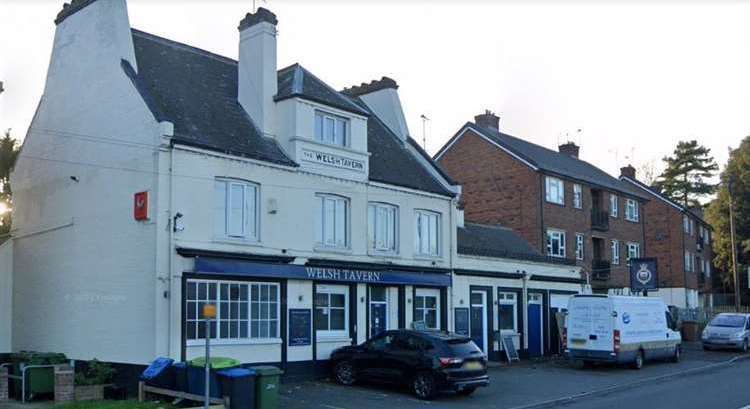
[[236, 210], [615, 250], [427, 233], [707, 267], [688, 261], [507, 315], [427, 307], [555, 190], [244, 310], [332, 310], [382, 227], [613, 205], [577, 196], [685, 224], [579, 246], [332, 221], [692, 227], [631, 210], [634, 250], [331, 129], [706, 236], [556, 243]]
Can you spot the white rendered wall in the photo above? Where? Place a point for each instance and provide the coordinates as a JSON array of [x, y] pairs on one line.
[[6, 295]]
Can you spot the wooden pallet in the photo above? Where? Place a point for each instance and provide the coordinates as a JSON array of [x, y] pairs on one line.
[[143, 389]]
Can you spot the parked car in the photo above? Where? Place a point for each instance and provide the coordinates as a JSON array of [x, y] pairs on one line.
[[727, 330], [427, 361], [620, 330]]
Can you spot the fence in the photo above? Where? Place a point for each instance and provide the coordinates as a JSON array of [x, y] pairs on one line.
[[701, 316]]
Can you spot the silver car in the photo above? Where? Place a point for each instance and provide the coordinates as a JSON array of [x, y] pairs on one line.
[[727, 330]]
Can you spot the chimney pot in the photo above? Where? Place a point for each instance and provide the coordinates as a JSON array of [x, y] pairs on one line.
[[262, 15], [488, 120], [628, 172], [569, 148]]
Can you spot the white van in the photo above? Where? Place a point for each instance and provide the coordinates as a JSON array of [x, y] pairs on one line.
[[620, 329]]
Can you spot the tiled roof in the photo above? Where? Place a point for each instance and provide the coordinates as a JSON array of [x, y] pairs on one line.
[[695, 212], [197, 91], [552, 161], [499, 242]]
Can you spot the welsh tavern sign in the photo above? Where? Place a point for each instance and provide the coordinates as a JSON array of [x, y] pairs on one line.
[[335, 161]]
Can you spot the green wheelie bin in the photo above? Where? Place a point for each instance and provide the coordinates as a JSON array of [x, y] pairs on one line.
[[267, 383], [39, 381]]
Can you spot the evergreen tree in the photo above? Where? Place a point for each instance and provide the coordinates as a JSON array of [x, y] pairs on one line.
[[685, 174], [737, 171], [8, 154]]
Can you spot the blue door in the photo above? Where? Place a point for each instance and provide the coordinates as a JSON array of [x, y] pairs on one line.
[[535, 325], [377, 318]]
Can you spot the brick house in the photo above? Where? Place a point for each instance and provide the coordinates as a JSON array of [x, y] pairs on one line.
[[564, 206], [680, 239]]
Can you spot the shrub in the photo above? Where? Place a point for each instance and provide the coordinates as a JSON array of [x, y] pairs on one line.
[[96, 373]]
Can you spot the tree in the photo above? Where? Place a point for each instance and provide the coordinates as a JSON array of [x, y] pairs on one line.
[[737, 171], [646, 172], [8, 154], [685, 174]]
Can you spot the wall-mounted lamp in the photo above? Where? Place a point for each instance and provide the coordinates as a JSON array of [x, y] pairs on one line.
[[461, 301], [408, 300], [175, 227], [361, 299], [273, 206], [300, 298], [75, 179]]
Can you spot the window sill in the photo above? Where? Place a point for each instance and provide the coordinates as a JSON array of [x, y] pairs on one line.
[[555, 203], [334, 250], [230, 342], [383, 254], [427, 257], [230, 240], [333, 338]]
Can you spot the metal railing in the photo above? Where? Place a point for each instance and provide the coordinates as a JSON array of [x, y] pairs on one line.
[[22, 377], [599, 220], [600, 269]]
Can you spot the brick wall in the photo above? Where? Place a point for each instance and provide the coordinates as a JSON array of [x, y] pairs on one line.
[[64, 384], [497, 189]]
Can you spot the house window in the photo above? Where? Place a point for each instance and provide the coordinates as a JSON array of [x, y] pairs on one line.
[[556, 243], [236, 209], [577, 196], [634, 250], [688, 261], [427, 233], [507, 311], [243, 310], [692, 225], [331, 310], [555, 190], [332, 221], [613, 205], [427, 307], [707, 268], [685, 224], [382, 227], [331, 129], [706, 237], [631, 210], [615, 252], [579, 246]]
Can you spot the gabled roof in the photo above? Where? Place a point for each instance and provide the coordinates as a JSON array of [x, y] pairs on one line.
[[697, 213], [492, 241], [296, 81], [547, 160], [197, 91]]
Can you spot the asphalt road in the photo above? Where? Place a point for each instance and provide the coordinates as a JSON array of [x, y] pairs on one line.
[[727, 387], [522, 385]]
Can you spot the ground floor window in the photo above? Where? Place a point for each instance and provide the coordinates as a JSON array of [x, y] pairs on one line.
[[244, 310], [427, 307], [507, 311], [332, 310]]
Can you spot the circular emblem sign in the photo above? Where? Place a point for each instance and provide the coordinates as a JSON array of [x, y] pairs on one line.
[[644, 274], [626, 318]]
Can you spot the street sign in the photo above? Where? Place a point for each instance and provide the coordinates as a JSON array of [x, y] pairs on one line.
[[643, 274]]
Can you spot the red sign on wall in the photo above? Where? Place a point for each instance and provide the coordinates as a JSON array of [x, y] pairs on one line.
[[140, 206]]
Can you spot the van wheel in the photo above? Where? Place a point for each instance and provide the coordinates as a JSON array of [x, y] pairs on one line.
[[638, 363], [677, 353], [344, 373], [424, 386]]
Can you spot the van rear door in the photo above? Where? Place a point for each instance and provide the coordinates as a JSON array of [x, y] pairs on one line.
[[590, 324]]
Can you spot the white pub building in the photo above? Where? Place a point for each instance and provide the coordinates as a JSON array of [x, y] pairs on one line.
[[157, 177]]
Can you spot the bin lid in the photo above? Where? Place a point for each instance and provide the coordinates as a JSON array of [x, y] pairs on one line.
[[267, 370], [236, 372], [156, 368], [216, 362]]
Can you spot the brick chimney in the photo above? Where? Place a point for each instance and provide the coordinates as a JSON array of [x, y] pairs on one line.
[[569, 148], [257, 78], [488, 120], [628, 172]]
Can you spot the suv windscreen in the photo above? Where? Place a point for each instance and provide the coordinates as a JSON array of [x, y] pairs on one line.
[[462, 347], [731, 321]]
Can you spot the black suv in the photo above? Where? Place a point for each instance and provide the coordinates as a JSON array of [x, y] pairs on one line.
[[426, 361]]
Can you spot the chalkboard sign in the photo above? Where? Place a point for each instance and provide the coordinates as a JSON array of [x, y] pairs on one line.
[[461, 320], [510, 348], [300, 327]]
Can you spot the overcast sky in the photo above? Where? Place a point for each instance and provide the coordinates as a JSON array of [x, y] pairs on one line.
[[636, 77]]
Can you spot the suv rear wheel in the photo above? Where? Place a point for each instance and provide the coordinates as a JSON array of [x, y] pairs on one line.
[[467, 391], [424, 386], [344, 373]]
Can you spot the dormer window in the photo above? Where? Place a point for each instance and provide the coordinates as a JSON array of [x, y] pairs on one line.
[[331, 129]]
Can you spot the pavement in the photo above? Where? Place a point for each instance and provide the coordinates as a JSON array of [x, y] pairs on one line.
[[524, 386]]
